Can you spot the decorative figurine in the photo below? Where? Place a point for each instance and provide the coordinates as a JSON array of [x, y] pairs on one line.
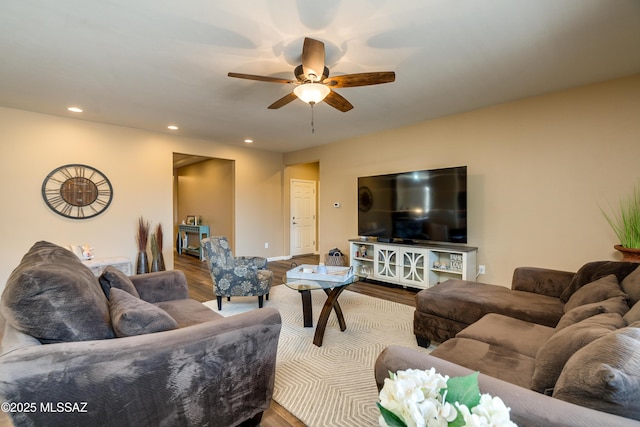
[[87, 252]]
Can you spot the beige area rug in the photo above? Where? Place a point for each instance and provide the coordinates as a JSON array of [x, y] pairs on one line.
[[332, 385]]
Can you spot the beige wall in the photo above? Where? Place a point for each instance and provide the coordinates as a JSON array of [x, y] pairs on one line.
[[205, 189], [140, 167], [538, 170]]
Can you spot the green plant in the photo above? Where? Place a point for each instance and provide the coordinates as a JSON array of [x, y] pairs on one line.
[[626, 222]]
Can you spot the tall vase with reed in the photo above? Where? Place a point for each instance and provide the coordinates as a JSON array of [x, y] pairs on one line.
[[626, 225], [157, 259], [142, 239], [155, 262]]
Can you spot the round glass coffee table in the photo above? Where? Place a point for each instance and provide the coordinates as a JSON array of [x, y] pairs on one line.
[[333, 291]]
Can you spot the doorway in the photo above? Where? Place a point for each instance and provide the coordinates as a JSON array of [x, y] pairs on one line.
[[204, 188], [303, 217], [301, 172]]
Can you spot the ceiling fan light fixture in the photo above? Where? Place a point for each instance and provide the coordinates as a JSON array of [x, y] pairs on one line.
[[311, 93]]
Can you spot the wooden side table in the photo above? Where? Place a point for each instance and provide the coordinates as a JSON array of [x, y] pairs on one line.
[[183, 246]]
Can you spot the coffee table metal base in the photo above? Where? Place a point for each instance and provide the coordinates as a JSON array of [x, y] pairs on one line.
[[331, 304]]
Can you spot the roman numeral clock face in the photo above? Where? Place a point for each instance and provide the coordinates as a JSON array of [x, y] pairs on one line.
[[77, 191]]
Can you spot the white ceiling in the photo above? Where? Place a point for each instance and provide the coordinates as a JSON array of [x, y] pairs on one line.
[[149, 63]]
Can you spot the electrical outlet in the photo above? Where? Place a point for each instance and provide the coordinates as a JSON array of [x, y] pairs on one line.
[[266, 245], [482, 269]]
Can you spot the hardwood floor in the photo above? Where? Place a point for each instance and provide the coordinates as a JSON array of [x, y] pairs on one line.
[[201, 289]]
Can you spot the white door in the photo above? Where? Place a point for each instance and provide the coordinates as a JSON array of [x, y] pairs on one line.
[[303, 217]]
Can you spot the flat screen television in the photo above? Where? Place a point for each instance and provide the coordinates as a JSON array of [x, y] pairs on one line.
[[427, 205]]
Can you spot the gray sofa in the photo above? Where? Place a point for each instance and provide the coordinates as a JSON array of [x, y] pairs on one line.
[[528, 408], [78, 350], [554, 345]]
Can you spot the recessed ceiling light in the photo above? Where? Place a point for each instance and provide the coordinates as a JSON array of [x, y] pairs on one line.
[[75, 109], [248, 141], [172, 127]]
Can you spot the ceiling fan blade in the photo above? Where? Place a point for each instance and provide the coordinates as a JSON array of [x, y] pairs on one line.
[[283, 101], [313, 59], [260, 78], [360, 79], [338, 102]]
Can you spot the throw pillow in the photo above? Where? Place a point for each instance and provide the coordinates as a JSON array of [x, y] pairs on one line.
[[633, 315], [54, 297], [612, 305], [578, 314], [596, 291], [605, 375], [133, 316], [111, 277], [631, 285], [554, 353], [595, 270]]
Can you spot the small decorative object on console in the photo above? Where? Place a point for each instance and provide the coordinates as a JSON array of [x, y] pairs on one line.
[[455, 262], [84, 252], [426, 398], [87, 252]]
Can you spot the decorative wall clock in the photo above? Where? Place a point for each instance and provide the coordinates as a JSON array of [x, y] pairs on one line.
[[77, 191]]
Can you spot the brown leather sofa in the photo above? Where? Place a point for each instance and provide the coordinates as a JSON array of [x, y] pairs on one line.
[[572, 336]]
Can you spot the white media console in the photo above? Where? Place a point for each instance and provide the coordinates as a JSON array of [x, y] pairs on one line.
[[413, 265]]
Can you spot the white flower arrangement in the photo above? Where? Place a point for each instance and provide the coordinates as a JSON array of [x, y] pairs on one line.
[[417, 398]]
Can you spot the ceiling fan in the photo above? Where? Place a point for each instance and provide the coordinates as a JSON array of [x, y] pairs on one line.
[[313, 84]]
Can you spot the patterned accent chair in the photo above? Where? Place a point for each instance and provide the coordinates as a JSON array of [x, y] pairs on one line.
[[235, 276]]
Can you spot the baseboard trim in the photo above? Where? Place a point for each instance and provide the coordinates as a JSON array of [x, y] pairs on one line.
[[279, 258]]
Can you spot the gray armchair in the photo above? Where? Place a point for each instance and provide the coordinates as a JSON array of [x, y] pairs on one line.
[[235, 276]]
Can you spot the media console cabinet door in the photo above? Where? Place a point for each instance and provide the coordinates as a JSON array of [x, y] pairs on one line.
[[386, 263], [414, 267]]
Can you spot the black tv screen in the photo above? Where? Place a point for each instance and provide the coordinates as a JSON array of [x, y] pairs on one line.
[[427, 205]]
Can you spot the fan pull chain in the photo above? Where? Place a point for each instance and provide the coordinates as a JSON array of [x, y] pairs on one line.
[[313, 130]]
